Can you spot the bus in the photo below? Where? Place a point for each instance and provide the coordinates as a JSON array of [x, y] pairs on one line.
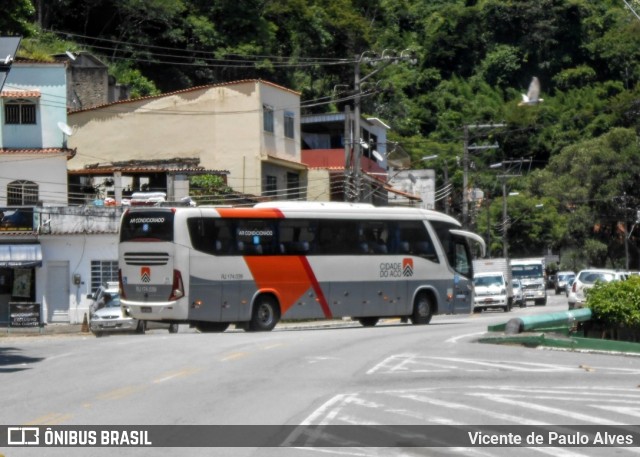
[[253, 266]]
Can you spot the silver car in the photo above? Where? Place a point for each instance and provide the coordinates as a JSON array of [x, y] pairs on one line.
[[586, 279], [112, 318], [518, 294]]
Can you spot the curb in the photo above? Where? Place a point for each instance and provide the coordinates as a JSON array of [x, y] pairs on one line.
[[557, 341], [77, 329]]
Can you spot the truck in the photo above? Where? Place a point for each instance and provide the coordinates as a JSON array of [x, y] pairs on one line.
[[530, 272], [492, 284]]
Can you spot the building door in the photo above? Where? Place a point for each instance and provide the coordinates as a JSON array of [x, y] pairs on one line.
[[57, 293]]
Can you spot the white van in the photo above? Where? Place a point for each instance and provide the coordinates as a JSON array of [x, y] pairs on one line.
[[490, 291]]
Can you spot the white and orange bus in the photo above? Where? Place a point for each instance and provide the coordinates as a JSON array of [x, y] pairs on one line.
[[212, 267]]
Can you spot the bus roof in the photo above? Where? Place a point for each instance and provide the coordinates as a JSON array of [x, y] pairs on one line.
[[317, 210]]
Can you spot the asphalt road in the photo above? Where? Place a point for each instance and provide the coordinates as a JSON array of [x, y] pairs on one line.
[[390, 375]]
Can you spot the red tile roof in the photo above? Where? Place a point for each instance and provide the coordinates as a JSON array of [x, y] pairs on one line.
[[20, 93], [71, 153]]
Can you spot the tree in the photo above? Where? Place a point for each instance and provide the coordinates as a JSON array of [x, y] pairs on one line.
[[588, 180], [17, 18]]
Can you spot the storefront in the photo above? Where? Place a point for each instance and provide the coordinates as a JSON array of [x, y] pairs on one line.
[[18, 263]]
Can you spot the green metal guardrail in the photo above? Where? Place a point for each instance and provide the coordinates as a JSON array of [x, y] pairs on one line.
[[565, 319]]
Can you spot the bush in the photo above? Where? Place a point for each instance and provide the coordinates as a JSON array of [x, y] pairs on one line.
[[616, 304]]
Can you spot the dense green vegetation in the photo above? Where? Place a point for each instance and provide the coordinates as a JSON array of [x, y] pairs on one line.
[[616, 307], [475, 58]]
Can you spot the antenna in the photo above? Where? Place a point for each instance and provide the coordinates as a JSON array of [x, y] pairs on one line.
[[65, 128], [67, 131]]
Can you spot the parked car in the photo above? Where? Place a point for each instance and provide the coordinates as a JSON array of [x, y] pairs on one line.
[[586, 279], [109, 286], [107, 314], [518, 294], [567, 290], [562, 279]]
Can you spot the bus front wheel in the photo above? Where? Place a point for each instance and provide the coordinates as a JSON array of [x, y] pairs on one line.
[[265, 314], [422, 309]]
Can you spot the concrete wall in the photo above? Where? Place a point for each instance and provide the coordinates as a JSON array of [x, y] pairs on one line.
[[48, 171], [76, 251], [50, 80]]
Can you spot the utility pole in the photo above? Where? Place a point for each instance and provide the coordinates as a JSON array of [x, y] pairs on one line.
[[507, 166], [505, 220], [382, 61], [465, 164]]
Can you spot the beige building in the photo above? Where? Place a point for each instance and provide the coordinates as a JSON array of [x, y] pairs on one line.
[[250, 128]]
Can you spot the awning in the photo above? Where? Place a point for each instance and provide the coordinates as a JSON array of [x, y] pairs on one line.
[[20, 255]]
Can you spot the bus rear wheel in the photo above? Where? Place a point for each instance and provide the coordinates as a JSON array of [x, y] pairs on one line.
[[368, 321], [266, 314], [422, 309], [211, 327]]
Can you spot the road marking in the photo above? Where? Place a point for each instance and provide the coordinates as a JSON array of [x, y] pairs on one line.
[[468, 335], [635, 412], [271, 346], [548, 409], [176, 374], [234, 356], [120, 393], [50, 419]]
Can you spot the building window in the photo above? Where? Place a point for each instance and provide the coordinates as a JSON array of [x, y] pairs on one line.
[[267, 114], [103, 271], [22, 193], [289, 125], [19, 111], [293, 186], [271, 186]]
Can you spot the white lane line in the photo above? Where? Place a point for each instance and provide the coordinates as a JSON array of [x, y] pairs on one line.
[[559, 452], [513, 366], [547, 409], [455, 339], [635, 412], [399, 362]]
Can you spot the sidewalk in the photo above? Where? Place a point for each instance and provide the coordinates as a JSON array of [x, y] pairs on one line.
[[48, 329], [76, 329]]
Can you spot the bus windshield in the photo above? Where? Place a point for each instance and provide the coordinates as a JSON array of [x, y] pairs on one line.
[[147, 226]]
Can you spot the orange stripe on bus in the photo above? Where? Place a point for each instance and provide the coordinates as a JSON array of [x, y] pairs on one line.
[[289, 276], [258, 213]]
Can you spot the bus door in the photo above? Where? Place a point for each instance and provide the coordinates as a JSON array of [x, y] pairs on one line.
[[462, 264]]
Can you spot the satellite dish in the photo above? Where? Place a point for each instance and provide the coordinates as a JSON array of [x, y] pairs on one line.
[[65, 128], [71, 55], [377, 155]]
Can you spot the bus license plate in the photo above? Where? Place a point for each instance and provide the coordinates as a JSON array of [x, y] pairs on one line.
[[145, 309]]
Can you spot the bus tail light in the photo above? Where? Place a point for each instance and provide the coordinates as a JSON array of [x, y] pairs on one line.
[[177, 288]]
